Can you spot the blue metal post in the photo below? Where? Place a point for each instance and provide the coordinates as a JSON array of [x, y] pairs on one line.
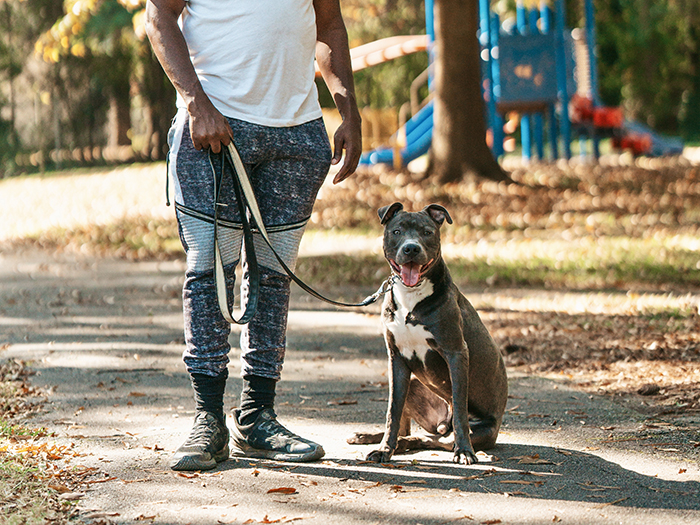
[[497, 128], [537, 117], [485, 41], [562, 75], [546, 15], [430, 31], [525, 138], [592, 66]]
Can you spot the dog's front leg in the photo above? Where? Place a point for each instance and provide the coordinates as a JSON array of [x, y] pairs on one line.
[[399, 379], [458, 364]]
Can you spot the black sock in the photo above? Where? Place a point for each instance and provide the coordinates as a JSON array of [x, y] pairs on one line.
[[209, 393], [258, 393]]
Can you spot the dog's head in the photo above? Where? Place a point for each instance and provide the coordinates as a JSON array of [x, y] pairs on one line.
[[412, 240]]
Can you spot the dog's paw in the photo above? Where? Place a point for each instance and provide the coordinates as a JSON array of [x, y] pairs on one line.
[[466, 457], [379, 456]]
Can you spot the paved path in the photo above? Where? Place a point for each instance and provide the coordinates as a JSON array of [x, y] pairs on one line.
[[106, 338]]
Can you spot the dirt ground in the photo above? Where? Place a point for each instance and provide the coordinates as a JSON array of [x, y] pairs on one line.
[[603, 421], [105, 338]]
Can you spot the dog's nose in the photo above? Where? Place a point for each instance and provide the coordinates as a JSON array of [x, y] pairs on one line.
[[411, 249]]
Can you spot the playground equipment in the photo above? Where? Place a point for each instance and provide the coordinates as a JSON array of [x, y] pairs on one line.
[[535, 67]]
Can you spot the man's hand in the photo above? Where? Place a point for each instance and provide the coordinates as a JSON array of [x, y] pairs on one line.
[[347, 137], [208, 127]]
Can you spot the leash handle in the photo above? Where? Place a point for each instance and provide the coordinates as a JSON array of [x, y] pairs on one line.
[[245, 197], [251, 305]]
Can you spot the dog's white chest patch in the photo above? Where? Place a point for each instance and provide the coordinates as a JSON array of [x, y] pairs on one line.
[[410, 339]]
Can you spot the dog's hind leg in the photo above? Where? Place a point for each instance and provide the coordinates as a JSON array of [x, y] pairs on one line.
[[428, 409], [483, 432]]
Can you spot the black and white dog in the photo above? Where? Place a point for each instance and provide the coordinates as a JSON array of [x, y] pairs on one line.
[[433, 333]]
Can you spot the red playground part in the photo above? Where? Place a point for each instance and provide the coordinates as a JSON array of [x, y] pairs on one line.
[[583, 112], [638, 144]]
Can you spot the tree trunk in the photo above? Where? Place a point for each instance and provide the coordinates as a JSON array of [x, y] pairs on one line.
[[119, 121], [459, 131], [160, 97]]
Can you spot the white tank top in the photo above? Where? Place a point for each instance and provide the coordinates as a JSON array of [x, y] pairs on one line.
[[255, 58]]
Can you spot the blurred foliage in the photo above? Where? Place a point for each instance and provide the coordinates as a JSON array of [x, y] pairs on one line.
[[389, 84], [93, 55], [649, 54], [78, 62], [21, 21]]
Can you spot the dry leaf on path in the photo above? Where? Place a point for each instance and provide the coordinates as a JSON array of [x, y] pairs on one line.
[[342, 402], [61, 489], [533, 460], [283, 490], [71, 496]]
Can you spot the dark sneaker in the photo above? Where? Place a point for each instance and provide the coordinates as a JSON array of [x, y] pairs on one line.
[[206, 446], [266, 438]]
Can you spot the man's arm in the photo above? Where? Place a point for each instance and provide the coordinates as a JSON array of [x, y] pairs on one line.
[[333, 58], [208, 127]]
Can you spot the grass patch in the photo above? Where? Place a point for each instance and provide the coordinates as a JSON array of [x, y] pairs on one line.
[[137, 238], [625, 224], [26, 497], [28, 493], [590, 263]]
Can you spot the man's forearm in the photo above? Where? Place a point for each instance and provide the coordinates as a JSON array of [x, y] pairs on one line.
[[171, 50], [333, 57], [208, 127]]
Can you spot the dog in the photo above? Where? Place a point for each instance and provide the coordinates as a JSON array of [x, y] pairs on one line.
[[434, 334]]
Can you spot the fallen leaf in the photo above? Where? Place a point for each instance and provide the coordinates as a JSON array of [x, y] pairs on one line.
[[682, 471], [61, 489], [71, 496], [101, 514], [342, 402], [522, 482], [283, 490], [532, 460], [491, 522], [137, 394], [105, 480], [186, 475], [610, 503], [649, 389]]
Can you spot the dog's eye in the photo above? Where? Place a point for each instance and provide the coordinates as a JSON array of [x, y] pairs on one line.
[[427, 233], [396, 232]]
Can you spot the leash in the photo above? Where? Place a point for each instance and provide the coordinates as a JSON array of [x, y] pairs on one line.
[[246, 201]]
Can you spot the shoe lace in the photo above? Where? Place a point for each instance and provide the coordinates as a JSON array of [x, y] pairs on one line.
[[202, 431], [274, 429]]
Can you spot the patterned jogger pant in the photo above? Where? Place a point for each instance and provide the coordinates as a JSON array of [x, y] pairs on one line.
[[286, 167]]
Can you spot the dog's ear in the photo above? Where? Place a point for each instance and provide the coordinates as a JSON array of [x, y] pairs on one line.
[[387, 212], [438, 213]]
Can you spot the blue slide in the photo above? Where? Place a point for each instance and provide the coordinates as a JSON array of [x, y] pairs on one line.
[[419, 135]]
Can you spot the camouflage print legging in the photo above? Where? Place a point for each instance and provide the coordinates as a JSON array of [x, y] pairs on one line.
[[286, 167]]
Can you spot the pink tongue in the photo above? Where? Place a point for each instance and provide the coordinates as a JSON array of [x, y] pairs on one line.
[[410, 274]]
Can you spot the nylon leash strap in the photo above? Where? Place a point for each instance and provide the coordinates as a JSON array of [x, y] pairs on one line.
[[245, 198]]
